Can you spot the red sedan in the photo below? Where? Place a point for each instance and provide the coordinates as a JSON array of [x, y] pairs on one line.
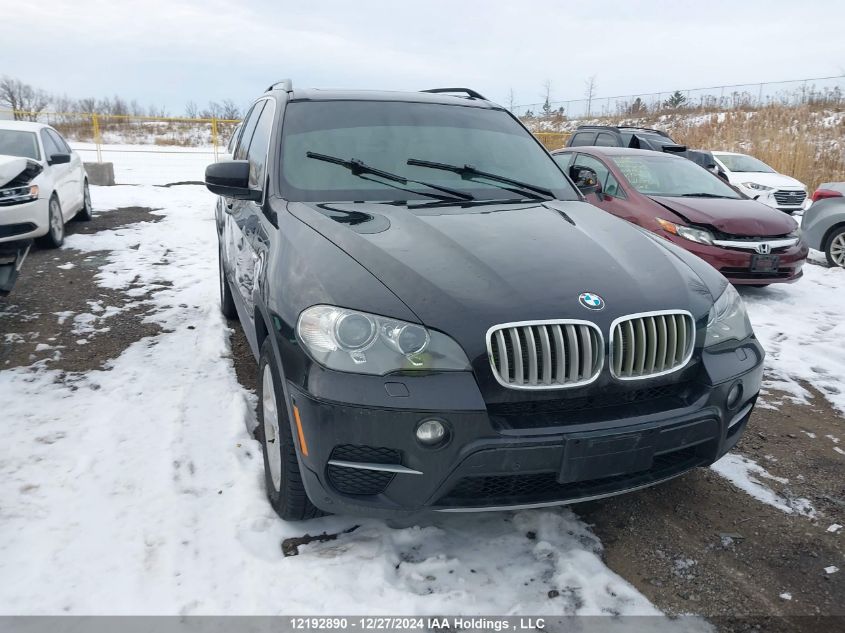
[[748, 242]]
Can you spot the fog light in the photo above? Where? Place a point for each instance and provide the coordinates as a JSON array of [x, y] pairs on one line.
[[734, 396], [431, 432]]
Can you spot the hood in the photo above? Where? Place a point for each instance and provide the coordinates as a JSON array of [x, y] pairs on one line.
[[462, 270], [16, 171], [768, 179], [734, 217]]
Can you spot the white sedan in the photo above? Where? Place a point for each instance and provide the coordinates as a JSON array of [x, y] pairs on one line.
[[43, 184], [757, 180]]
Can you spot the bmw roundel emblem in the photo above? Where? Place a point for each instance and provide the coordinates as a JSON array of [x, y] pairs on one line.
[[591, 301]]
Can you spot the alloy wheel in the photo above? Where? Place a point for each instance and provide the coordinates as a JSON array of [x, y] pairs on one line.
[[57, 224], [837, 250]]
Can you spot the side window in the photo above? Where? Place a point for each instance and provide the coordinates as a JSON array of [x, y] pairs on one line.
[[611, 187], [257, 154], [50, 146], [249, 127], [606, 140], [59, 141], [230, 147], [584, 160], [563, 160], [582, 138], [609, 184]]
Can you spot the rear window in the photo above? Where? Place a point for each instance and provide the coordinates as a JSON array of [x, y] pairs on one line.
[[19, 143], [385, 135]]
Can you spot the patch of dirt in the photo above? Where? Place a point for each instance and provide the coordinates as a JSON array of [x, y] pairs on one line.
[[59, 317], [700, 545], [246, 367]]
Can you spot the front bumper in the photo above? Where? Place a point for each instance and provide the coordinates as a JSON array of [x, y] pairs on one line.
[[784, 199], [736, 264], [365, 460], [24, 221]]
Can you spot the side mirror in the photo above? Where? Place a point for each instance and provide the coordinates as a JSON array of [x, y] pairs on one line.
[[585, 179], [230, 178], [58, 159]]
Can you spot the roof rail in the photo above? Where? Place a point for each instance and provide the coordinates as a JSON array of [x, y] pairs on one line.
[[588, 126], [472, 94], [284, 84], [644, 129]]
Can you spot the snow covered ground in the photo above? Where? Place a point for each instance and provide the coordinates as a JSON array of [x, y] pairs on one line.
[[137, 488]]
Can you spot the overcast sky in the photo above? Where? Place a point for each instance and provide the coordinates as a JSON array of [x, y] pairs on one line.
[[166, 52]]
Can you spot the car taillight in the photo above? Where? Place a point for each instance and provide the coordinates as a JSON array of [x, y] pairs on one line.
[[821, 194]]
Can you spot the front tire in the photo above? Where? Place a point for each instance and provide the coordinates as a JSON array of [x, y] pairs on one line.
[[86, 213], [282, 476], [834, 249], [56, 232]]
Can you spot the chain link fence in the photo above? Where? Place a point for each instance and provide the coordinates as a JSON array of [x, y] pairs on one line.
[[822, 91]]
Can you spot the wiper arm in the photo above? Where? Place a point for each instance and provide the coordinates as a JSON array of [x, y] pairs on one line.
[[703, 195], [361, 169], [468, 172]]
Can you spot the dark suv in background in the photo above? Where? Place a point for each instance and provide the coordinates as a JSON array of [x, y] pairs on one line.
[[442, 323], [641, 138]]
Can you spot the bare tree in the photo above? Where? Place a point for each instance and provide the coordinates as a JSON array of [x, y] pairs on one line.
[[192, 111], [590, 89], [26, 101], [547, 96], [87, 105], [230, 110]]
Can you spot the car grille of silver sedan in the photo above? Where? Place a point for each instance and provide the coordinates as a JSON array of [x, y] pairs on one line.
[[566, 353]]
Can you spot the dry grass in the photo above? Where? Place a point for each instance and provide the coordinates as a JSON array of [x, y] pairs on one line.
[[806, 142]]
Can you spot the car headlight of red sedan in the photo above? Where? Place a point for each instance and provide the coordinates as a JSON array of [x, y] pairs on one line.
[[693, 234]]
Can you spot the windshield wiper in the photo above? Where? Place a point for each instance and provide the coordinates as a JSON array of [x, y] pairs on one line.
[[703, 195], [361, 169], [468, 172]]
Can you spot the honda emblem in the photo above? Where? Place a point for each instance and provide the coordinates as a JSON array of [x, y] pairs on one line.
[[764, 248]]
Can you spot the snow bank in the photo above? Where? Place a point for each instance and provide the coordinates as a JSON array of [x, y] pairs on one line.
[[801, 328]]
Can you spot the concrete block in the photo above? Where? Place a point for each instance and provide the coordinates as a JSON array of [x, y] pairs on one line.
[[100, 173]]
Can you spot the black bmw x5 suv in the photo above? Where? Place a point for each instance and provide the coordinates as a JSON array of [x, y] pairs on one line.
[[442, 323]]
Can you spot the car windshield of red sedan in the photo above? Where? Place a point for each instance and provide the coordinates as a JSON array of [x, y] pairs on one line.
[[19, 143], [660, 175]]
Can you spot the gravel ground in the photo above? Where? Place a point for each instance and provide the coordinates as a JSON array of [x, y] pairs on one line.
[[694, 545]]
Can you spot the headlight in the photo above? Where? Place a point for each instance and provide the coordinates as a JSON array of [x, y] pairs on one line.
[[18, 195], [728, 319], [756, 187], [348, 340], [694, 235]]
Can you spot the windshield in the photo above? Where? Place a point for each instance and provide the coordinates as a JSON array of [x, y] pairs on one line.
[[743, 163], [661, 175], [19, 143], [385, 135]]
